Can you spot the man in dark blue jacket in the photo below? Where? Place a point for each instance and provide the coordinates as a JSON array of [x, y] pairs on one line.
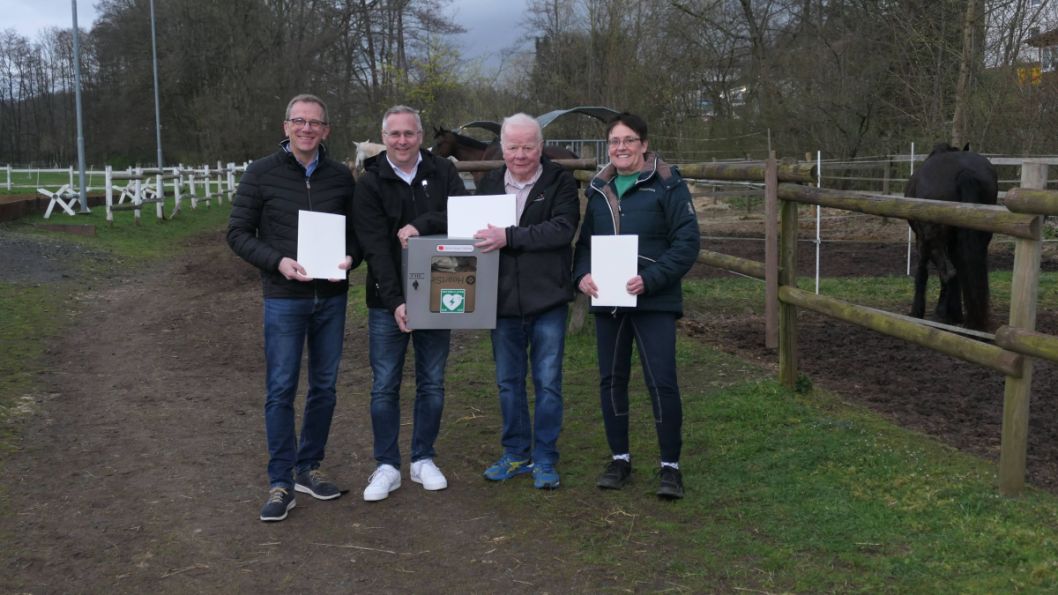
[[534, 290], [263, 230]]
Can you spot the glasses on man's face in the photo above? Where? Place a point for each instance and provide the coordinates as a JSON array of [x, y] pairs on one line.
[[619, 142], [396, 134], [300, 123]]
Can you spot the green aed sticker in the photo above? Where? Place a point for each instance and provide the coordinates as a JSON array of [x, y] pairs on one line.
[[453, 301]]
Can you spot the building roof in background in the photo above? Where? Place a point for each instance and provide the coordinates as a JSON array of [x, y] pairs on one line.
[[600, 113]]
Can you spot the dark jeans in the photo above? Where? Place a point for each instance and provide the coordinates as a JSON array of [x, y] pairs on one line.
[[655, 337], [541, 340], [387, 348], [288, 325]]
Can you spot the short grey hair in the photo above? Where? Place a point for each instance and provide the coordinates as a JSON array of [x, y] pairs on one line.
[[402, 109], [522, 119], [307, 98]]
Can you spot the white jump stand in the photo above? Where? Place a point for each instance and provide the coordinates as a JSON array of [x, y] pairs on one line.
[[64, 197]]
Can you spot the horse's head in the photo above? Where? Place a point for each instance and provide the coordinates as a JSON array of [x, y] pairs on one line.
[[444, 142]]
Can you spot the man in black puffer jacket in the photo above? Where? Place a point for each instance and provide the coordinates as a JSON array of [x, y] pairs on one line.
[[404, 192], [534, 289], [263, 230]]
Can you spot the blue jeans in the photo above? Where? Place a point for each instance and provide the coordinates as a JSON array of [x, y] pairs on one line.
[[288, 323], [655, 336], [387, 348], [541, 340]]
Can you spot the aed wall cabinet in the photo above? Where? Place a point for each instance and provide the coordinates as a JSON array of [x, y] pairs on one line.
[[449, 284]]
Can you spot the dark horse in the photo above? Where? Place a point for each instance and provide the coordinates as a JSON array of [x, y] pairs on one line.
[[450, 144], [960, 255], [464, 148]]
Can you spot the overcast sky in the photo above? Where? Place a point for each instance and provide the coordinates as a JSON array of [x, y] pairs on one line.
[[491, 25]]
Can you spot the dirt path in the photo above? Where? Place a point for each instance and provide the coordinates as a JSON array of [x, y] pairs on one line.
[[143, 468]]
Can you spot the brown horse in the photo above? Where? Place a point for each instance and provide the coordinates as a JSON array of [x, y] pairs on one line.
[[464, 148], [447, 143]]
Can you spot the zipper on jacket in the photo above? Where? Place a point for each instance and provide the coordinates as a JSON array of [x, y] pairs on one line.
[[308, 195]]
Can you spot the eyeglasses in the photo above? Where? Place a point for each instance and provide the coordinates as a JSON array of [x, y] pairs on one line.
[[301, 122], [627, 142], [402, 133]]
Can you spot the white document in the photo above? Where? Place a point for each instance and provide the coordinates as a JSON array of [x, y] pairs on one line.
[[469, 214], [614, 261], [321, 244]]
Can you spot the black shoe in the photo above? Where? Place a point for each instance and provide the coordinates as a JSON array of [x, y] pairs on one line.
[[313, 482], [616, 475], [670, 483], [280, 501]]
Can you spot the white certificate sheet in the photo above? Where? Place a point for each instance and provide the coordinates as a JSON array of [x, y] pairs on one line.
[[468, 214], [613, 263], [321, 244]]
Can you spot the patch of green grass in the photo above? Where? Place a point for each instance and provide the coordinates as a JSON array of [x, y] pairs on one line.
[[32, 316], [28, 182], [135, 244], [786, 492]]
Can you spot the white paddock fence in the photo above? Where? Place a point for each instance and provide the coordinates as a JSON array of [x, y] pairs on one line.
[[134, 189]]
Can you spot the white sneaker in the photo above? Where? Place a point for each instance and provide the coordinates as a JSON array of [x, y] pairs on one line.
[[425, 472], [384, 480]]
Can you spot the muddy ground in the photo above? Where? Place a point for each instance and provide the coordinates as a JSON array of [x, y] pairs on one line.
[[141, 467]]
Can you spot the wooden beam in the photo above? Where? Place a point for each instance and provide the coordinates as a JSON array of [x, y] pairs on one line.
[[754, 171], [1024, 285], [1028, 343], [574, 164], [750, 268], [982, 354], [788, 358], [992, 218], [1029, 200], [771, 252]]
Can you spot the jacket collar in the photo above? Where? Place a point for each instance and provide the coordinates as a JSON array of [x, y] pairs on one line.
[[380, 165], [652, 164], [284, 145]]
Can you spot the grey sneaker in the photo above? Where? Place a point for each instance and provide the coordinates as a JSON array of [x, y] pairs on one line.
[[314, 483], [280, 501]]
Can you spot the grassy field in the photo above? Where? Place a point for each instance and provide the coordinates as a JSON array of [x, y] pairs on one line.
[[27, 182], [787, 492]]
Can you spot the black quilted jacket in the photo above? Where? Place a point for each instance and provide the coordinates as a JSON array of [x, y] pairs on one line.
[[263, 227]]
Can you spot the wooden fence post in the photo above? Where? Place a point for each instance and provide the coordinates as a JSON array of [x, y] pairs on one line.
[[1024, 286], [771, 253], [578, 311], [788, 312]]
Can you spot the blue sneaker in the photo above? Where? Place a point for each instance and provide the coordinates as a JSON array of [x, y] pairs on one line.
[[507, 467], [544, 476]]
